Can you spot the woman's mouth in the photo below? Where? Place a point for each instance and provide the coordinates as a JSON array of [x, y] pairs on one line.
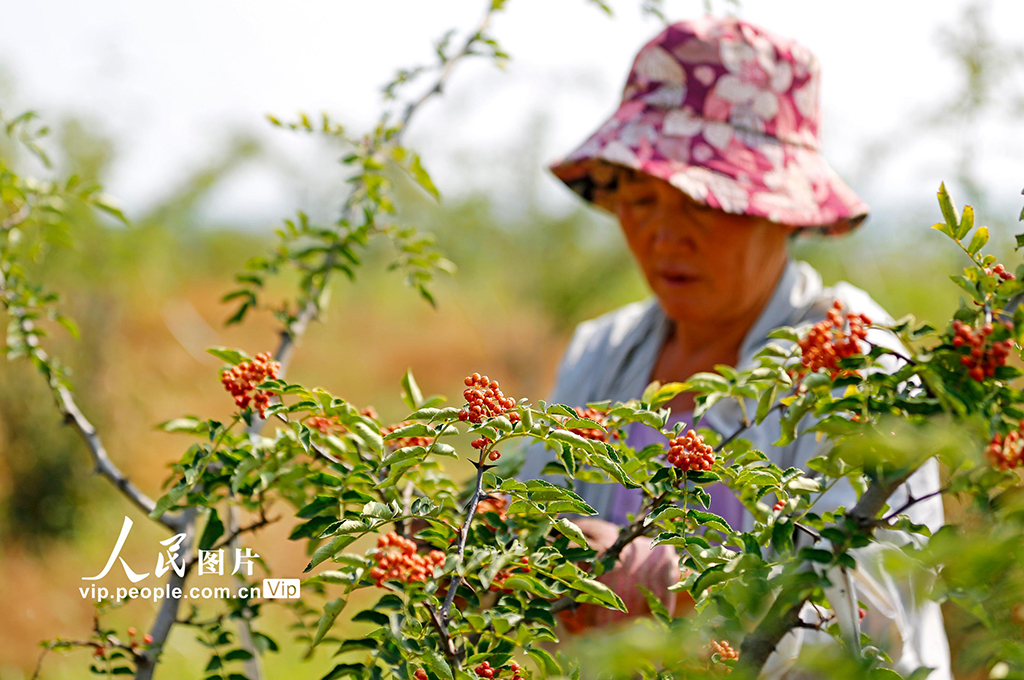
[[677, 279]]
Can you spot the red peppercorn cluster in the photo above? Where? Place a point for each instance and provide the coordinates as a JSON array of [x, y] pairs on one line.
[[779, 506], [984, 357], [397, 559], [723, 649], [835, 338], [484, 442], [592, 432], [495, 504], [420, 674], [690, 452], [1000, 271], [485, 400], [326, 424], [242, 379], [485, 670], [505, 574], [402, 442], [1007, 452], [146, 639]]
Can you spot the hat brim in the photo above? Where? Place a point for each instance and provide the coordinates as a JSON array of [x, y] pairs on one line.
[[719, 165]]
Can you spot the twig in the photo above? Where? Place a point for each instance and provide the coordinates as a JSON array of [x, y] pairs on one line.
[[807, 530], [463, 535], [911, 501], [445, 73]]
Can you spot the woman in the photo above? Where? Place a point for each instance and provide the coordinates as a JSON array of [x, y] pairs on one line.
[[711, 164]]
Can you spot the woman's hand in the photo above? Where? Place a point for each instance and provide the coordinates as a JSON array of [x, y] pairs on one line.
[[655, 569]]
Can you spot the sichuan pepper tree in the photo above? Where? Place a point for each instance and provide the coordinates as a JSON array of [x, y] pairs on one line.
[[471, 580]]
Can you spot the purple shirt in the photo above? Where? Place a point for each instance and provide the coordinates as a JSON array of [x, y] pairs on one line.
[[638, 435]]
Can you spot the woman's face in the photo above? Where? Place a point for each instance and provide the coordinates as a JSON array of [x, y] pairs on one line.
[[704, 264]]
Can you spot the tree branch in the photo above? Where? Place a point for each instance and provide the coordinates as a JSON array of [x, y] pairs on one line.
[[73, 415], [758, 645], [168, 614], [104, 466]]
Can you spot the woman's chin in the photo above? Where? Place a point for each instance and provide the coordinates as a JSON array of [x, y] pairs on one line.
[[692, 310]]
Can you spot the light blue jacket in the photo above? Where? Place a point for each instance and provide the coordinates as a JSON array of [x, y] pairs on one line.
[[613, 356]]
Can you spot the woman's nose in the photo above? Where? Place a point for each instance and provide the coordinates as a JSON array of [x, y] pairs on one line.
[[675, 227]]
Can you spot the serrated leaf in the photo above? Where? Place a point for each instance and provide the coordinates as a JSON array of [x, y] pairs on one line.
[[600, 592], [328, 550], [331, 611], [547, 663], [979, 240], [709, 519], [377, 510], [571, 531], [411, 394], [948, 210]]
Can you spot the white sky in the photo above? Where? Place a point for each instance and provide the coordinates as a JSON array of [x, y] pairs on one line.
[[171, 82]]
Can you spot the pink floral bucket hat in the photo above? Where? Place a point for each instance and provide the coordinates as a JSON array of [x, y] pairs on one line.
[[728, 113]]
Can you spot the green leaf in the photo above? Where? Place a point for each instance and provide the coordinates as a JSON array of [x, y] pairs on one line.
[[785, 333], [708, 578], [571, 531], [665, 512], [346, 670], [336, 545], [656, 606], [816, 555], [436, 663], [709, 519], [411, 394], [370, 436], [884, 673], [410, 430], [188, 424], [572, 439], [403, 454], [214, 529], [944, 228], [948, 211], [666, 393], [231, 356], [600, 592], [966, 222], [545, 661], [378, 510], [980, 238], [782, 537], [765, 403], [331, 611]]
